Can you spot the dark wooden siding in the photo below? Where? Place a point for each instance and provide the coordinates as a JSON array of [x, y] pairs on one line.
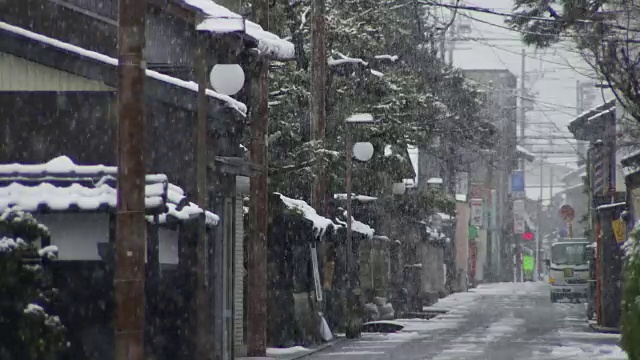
[[82, 125]]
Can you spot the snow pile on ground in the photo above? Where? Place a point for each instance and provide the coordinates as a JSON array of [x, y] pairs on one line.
[[580, 351], [503, 327], [296, 350]]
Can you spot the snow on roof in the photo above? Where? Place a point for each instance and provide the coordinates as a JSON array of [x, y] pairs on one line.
[[358, 226], [609, 206], [320, 223], [59, 198], [376, 73], [356, 118], [179, 208], [362, 198], [387, 57], [608, 105], [597, 115], [89, 187], [525, 151], [221, 20], [57, 166], [190, 85]]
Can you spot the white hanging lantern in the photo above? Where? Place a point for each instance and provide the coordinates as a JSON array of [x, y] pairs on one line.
[[363, 151], [398, 188], [227, 79]]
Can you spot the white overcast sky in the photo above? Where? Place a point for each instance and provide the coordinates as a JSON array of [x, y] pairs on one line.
[[551, 74]]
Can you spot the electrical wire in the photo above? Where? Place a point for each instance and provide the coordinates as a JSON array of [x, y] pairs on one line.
[[564, 66], [518, 15]]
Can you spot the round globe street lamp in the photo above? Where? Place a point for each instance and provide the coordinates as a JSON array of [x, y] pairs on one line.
[[362, 151], [227, 79]]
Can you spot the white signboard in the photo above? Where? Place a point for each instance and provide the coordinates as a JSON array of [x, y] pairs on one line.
[[518, 217], [462, 183], [477, 213]]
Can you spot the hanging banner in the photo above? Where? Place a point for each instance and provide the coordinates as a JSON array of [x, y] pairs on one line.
[[517, 184], [477, 212], [518, 217], [619, 230]]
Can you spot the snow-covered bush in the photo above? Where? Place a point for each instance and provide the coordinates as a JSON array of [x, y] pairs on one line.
[[29, 330], [631, 296]]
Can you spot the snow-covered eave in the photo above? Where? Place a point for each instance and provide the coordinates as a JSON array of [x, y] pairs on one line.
[[47, 197], [608, 106], [609, 206], [320, 223], [220, 20], [357, 226], [581, 125], [61, 165], [189, 85], [525, 153]]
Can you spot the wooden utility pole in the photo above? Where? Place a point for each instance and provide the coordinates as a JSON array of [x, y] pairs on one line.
[[129, 280], [257, 241], [318, 96], [202, 311]]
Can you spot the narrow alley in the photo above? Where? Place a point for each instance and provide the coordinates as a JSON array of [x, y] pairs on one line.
[[503, 321]]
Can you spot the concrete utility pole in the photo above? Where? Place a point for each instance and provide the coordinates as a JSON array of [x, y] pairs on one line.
[[539, 228], [522, 118], [202, 313], [580, 146], [257, 242], [318, 96], [522, 122], [129, 280]]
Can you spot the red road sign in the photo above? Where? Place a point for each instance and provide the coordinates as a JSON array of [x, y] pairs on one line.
[[567, 213]]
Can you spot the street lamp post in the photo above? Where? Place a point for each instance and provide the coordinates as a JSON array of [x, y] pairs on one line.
[[363, 152]]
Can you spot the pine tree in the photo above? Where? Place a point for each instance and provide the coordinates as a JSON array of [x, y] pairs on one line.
[[387, 67], [29, 331]]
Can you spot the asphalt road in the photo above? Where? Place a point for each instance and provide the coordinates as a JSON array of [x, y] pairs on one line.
[[494, 322]]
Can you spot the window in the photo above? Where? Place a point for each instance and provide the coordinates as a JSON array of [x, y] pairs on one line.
[[569, 254]]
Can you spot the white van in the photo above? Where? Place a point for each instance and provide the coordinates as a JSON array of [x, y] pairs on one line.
[[569, 269]]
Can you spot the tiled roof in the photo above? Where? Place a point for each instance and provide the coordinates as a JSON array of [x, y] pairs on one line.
[[61, 185]]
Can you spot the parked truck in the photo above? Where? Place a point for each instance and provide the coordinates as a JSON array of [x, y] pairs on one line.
[[569, 269]]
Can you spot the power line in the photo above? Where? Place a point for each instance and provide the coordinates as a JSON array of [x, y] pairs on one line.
[[518, 15], [508, 28], [564, 66]]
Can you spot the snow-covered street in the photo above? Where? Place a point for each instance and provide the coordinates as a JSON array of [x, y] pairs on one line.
[[496, 321]]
